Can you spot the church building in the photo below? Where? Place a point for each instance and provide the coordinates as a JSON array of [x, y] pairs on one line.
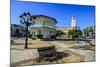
[[73, 26]]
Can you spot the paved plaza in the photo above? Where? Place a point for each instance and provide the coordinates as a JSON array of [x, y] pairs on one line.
[[18, 53]]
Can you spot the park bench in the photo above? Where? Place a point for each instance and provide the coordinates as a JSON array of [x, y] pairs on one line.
[[47, 53]]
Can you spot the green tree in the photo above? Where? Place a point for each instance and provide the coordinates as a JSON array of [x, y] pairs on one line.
[[75, 33], [70, 32], [85, 30], [88, 29], [17, 32], [59, 33]]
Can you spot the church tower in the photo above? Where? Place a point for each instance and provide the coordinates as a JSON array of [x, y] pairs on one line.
[[73, 23]]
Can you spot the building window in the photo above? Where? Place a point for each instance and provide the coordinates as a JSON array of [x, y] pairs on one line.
[[43, 23]]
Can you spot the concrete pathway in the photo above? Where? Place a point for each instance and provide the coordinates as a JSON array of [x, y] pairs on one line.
[[19, 55], [89, 54]]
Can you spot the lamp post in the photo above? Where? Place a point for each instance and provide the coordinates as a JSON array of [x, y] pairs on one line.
[[26, 20]]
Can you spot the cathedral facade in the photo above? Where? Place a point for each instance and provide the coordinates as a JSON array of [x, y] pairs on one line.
[[73, 26]]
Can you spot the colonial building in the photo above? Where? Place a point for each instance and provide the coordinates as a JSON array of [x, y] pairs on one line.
[[63, 29], [73, 26], [17, 30], [43, 25]]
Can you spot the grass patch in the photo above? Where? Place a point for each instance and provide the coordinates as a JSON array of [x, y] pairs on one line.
[[66, 42]]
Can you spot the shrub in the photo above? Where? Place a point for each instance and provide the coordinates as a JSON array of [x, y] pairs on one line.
[[53, 36], [39, 36]]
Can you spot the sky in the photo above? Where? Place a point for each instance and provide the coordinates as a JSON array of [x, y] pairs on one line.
[[63, 13]]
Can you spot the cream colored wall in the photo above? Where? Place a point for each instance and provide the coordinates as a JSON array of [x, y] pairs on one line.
[[45, 32], [41, 20]]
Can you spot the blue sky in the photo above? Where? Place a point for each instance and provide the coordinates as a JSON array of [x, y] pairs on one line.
[[85, 15]]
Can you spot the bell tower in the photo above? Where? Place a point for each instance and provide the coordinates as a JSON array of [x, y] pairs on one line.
[[73, 23]]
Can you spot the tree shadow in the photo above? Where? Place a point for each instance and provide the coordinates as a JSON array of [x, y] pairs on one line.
[[65, 40], [50, 58], [85, 47], [90, 43], [22, 43], [16, 49]]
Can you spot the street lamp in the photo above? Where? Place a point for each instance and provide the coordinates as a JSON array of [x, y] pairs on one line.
[[26, 20]]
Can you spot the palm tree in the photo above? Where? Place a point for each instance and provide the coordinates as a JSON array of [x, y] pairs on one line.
[[88, 29]]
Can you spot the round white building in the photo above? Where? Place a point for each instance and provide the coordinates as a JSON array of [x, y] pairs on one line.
[[43, 25]]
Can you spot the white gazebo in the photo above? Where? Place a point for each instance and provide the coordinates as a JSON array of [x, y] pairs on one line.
[[43, 25]]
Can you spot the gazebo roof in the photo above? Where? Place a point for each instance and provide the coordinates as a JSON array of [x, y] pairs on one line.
[[44, 16]]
